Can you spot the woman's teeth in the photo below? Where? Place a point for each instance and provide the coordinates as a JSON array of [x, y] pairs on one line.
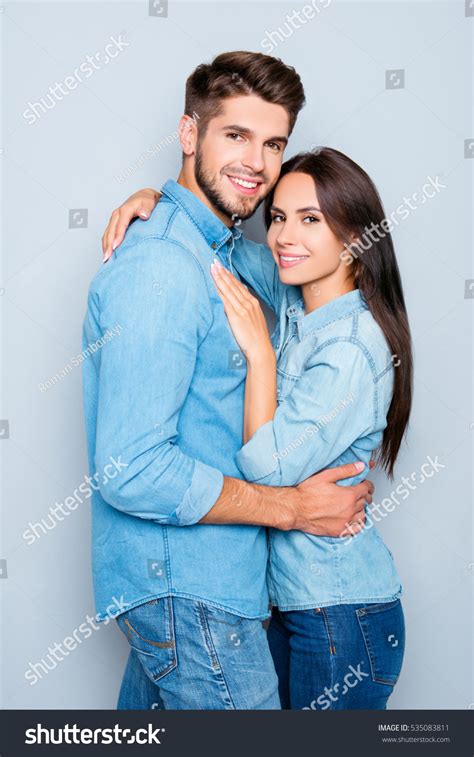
[[290, 260]]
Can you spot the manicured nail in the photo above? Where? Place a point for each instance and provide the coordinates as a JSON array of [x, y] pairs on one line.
[[143, 215], [115, 244], [360, 466]]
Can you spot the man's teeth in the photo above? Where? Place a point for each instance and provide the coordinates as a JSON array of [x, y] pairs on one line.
[[246, 184], [290, 260]]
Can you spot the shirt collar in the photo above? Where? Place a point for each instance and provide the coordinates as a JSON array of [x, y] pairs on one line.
[[215, 232], [340, 307]]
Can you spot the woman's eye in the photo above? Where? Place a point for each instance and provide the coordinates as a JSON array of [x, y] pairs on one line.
[[310, 219], [277, 219]]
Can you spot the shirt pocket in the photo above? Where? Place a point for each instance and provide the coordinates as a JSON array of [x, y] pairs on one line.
[[285, 384]]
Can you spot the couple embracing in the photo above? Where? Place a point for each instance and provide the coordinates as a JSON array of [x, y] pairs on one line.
[[243, 491]]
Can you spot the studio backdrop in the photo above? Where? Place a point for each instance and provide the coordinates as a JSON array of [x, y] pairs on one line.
[[92, 95]]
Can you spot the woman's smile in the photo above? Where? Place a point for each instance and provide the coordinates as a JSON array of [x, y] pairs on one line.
[[285, 260]]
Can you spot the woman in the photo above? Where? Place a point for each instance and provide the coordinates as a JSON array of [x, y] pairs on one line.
[[333, 383]]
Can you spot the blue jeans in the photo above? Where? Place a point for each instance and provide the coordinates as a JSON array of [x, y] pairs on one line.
[[187, 655], [343, 657]]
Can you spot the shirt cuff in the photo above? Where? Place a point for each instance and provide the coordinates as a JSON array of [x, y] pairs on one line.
[[259, 457], [201, 495]]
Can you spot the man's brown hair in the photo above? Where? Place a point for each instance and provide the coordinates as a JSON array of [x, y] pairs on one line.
[[242, 73]]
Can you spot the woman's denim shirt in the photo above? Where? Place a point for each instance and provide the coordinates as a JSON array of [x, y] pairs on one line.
[[335, 382]]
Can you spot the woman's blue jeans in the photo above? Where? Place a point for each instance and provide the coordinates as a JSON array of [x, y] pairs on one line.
[[338, 658]]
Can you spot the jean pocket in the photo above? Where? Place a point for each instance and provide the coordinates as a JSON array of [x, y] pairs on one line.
[[149, 629], [383, 629]]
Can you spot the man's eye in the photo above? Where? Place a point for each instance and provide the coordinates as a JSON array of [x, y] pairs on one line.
[[234, 136], [277, 218], [310, 219], [274, 146]]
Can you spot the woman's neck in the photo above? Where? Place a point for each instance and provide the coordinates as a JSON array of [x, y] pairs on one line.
[[319, 293]]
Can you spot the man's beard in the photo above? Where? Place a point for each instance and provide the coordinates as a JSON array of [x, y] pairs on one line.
[[233, 209]]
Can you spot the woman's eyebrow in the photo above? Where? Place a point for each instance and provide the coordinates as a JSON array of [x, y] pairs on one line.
[[300, 210]]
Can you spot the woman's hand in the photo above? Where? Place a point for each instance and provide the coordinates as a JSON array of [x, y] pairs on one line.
[[245, 315], [140, 205], [249, 327]]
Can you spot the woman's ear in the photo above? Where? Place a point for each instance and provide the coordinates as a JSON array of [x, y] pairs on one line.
[[187, 130]]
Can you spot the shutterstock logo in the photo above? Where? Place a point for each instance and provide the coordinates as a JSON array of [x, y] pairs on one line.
[[72, 734]]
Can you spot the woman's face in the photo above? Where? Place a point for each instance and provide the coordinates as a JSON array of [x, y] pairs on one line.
[[303, 246]]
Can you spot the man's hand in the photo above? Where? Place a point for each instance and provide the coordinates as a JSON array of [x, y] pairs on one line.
[[139, 205], [324, 508]]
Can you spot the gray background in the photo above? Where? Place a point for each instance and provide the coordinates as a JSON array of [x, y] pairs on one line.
[[70, 158]]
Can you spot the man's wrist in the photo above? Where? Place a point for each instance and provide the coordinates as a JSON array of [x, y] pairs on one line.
[[280, 505]]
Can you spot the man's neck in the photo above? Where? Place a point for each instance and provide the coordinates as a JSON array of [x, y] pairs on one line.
[[186, 179]]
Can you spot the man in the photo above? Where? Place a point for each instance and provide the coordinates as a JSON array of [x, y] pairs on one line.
[[176, 533]]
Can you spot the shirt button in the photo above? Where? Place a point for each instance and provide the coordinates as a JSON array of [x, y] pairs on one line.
[[214, 245]]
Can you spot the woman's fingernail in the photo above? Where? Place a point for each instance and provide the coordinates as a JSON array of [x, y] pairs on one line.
[[115, 244], [360, 466], [143, 215]]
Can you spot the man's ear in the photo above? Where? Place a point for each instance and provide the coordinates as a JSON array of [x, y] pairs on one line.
[[188, 135]]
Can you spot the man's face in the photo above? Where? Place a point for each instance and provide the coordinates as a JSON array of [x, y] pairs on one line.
[[238, 160]]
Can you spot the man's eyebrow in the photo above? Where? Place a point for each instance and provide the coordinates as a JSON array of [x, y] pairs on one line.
[[246, 130], [300, 210]]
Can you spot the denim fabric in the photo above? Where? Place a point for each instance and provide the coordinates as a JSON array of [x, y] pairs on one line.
[[163, 396], [335, 384], [187, 655], [345, 657]]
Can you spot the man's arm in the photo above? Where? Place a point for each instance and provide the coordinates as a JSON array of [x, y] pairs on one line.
[[139, 380], [318, 505]]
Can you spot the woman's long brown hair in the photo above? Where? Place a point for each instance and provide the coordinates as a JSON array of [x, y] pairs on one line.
[[351, 205]]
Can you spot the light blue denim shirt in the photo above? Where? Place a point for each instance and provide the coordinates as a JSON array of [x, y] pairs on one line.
[[335, 382], [163, 394]]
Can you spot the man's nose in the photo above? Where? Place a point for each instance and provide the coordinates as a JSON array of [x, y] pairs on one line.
[[253, 159]]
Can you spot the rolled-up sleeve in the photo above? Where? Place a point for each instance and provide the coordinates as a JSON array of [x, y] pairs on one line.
[[328, 409], [157, 312]]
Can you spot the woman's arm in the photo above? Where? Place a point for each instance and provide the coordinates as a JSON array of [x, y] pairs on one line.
[[260, 392], [139, 205], [329, 412], [249, 327]]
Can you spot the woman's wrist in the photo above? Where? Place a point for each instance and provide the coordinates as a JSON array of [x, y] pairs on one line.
[[261, 355]]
